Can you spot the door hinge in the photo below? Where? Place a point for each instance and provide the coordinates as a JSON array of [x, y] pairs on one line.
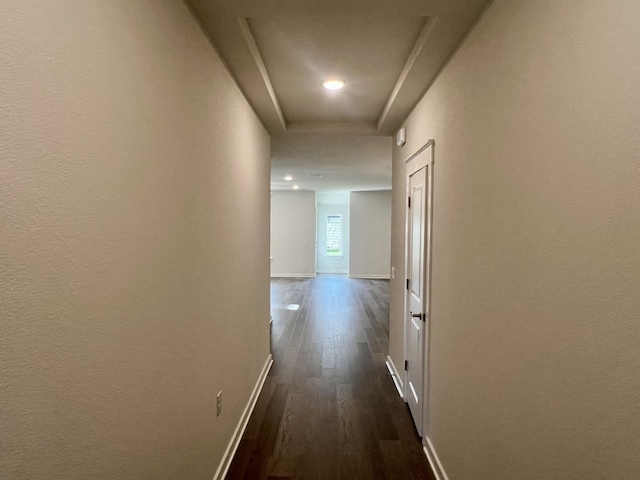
[[409, 201], [407, 284], [406, 364]]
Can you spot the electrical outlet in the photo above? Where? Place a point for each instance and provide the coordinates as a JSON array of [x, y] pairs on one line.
[[219, 403]]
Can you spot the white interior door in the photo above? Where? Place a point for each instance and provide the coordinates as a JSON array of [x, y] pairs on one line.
[[417, 315]]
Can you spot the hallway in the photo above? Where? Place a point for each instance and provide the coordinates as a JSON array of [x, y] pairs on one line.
[[146, 146], [329, 409]]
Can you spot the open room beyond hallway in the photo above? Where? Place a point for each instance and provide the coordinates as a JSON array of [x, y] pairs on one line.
[[329, 409]]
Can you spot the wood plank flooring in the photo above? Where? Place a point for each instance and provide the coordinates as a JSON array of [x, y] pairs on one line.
[[329, 409]]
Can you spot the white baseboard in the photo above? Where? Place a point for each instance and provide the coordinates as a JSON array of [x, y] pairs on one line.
[[293, 275], [225, 463], [370, 277], [335, 271], [434, 461], [397, 379]]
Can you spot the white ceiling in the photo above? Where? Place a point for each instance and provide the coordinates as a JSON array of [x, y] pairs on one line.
[[346, 162], [388, 52]]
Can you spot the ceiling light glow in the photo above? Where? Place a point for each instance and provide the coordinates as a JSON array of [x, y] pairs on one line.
[[333, 83], [288, 178], [296, 187]]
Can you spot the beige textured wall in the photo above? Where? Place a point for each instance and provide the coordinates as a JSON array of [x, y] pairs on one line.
[[293, 234], [536, 311], [370, 227], [134, 193]]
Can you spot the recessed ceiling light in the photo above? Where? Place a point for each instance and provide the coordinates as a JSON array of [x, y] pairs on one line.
[[288, 178], [296, 187], [333, 83]]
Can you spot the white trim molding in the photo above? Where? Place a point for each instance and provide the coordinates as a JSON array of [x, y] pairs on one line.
[[293, 275], [370, 277], [229, 453], [434, 461], [397, 379]]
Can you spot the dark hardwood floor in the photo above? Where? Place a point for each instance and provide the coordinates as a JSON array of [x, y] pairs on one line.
[[329, 409]]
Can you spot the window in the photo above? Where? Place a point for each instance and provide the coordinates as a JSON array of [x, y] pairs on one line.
[[334, 236]]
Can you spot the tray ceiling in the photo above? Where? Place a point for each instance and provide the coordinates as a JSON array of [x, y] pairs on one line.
[[387, 51]]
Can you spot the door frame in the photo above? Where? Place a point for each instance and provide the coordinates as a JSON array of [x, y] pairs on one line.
[[422, 158]]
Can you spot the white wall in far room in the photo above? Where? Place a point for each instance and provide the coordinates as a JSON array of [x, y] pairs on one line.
[[370, 231], [293, 234]]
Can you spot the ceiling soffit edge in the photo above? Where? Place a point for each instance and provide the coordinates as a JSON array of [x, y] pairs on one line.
[[257, 58], [335, 128], [411, 60]]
